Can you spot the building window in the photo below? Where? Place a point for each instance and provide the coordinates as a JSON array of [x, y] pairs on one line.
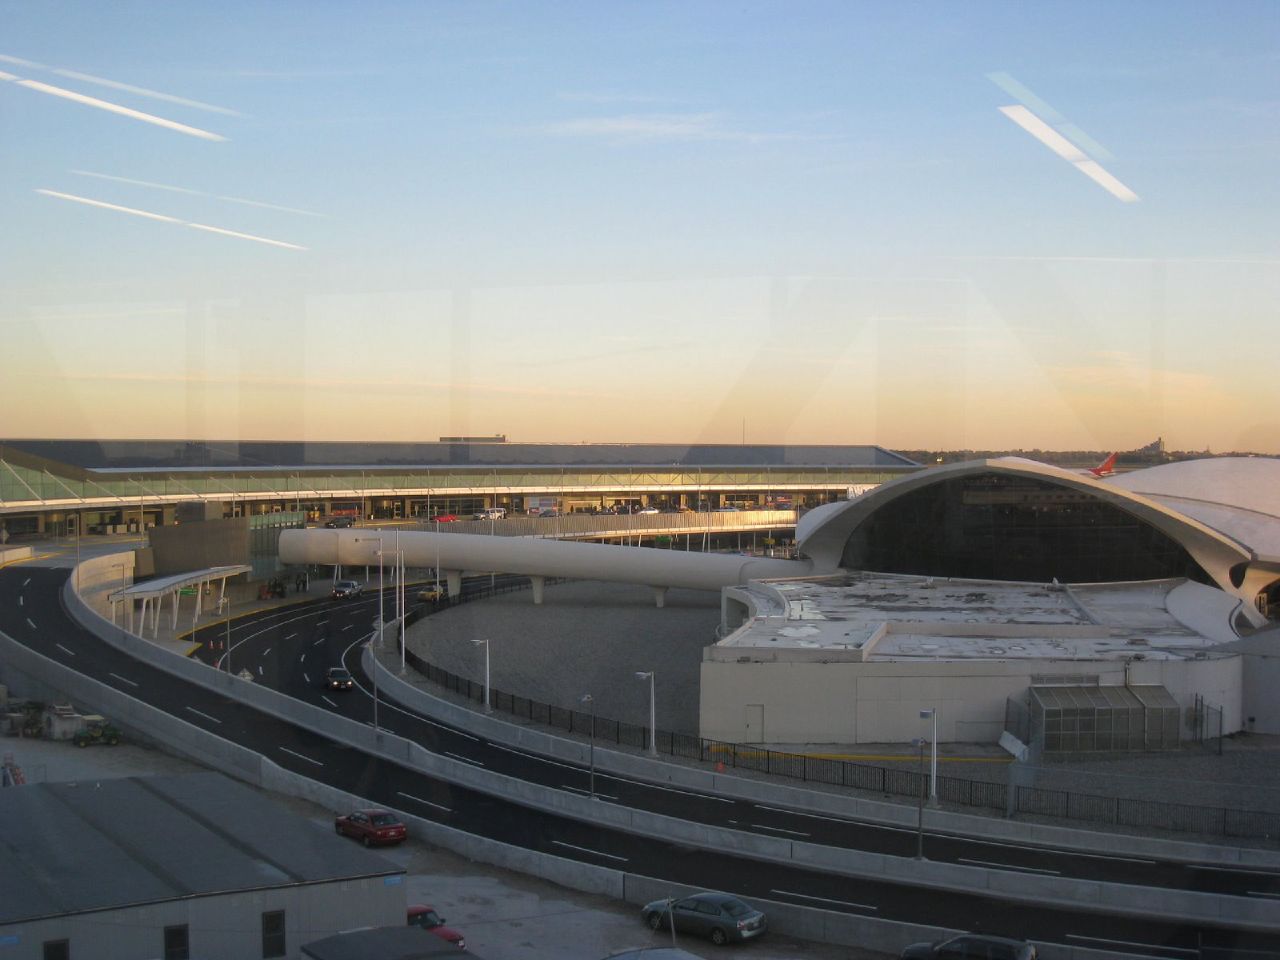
[[57, 950], [176, 944], [273, 934]]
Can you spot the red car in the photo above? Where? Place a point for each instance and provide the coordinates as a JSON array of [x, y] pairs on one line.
[[445, 518], [371, 827], [425, 916]]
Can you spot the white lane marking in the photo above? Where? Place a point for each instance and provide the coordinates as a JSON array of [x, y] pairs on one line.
[[30, 624], [260, 670], [1263, 893], [318, 642], [1056, 851], [122, 679], [843, 903], [594, 853], [266, 651], [765, 826], [305, 676], [26, 581], [321, 623], [70, 653], [301, 757], [687, 793], [303, 658], [20, 603], [586, 793], [290, 636], [1009, 866], [428, 803], [458, 756], [1255, 873], [1131, 943], [812, 816], [199, 713], [349, 626], [328, 701]]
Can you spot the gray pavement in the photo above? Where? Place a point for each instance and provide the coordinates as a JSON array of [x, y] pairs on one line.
[[504, 915]]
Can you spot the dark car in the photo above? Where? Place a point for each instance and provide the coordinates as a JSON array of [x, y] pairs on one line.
[[720, 917], [424, 915], [338, 678], [335, 523], [344, 589], [371, 827], [971, 946]]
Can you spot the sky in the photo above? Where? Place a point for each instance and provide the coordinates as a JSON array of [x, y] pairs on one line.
[[925, 226]]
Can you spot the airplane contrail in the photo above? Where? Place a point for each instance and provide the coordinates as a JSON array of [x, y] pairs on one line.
[[111, 107], [196, 193], [126, 87], [164, 218]]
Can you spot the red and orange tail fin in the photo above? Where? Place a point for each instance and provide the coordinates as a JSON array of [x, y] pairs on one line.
[[1106, 468]]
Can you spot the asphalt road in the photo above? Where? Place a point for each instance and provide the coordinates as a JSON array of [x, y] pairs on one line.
[[31, 612]]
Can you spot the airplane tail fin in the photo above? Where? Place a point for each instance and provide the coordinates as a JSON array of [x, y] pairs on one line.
[[1106, 468]]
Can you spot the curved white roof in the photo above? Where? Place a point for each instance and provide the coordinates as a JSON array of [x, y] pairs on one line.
[[1237, 496]]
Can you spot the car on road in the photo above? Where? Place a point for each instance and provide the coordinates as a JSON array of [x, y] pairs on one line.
[[338, 678], [372, 827], [337, 523], [971, 946], [431, 594], [347, 589], [424, 915], [445, 518], [648, 510], [720, 917]]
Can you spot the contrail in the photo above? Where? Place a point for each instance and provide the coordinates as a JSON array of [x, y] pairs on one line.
[[133, 211], [126, 87], [111, 107], [195, 193]]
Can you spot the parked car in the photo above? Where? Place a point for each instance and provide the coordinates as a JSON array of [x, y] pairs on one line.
[[445, 518], [721, 917], [424, 916], [647, 510], [335, 523], [347, 589], [971, 946], [372, 827], [338, 678], [490, 513]]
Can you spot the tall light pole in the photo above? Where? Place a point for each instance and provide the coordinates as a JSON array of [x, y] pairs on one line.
[[918, 743], [932, 714], [381, 588], [374, 674], [653, 712], [224, 608], [488, 707], [400, 611], [589, 699]]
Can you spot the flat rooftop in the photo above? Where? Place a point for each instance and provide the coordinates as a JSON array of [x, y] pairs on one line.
[[103, 844], [872, 616]]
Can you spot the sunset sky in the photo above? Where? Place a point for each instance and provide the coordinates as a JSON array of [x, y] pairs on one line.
[[919, 225]]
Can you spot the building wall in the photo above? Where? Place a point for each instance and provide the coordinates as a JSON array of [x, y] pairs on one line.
[[199, 545], [229, 925], [787, 701]]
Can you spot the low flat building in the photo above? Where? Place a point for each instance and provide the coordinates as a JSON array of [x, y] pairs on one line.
[[190, 866]]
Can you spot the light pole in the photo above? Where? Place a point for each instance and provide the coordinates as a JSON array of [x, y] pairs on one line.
[[932, 714], [381, 588], [224, 608], [918, 743], [400, 611], [488, 707], [653, 712], [589, 699], [374, 674]]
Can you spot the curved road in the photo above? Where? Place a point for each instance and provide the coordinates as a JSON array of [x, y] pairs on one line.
[[31, 613]]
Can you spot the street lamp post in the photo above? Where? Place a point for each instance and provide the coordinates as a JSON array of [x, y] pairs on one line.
[[589, 699], [400, 611], [918, 743], [224, 608], [932, 714], [488, 706], [374, 672], [381, 588], [653, 711]]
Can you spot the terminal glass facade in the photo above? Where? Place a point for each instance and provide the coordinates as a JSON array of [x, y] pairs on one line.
[[998, 527]]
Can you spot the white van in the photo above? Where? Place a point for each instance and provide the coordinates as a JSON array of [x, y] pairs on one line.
[[491, 513]]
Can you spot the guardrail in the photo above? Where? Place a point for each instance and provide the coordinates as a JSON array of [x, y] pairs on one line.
[[1211, 821]]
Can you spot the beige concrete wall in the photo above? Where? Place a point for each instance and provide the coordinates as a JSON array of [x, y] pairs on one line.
[[847, 702]]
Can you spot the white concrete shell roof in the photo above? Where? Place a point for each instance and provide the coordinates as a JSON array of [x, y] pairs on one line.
[[823, 533], [1237, 496]]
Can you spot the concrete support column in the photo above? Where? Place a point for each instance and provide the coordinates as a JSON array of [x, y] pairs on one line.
[[454, 579], [538, 583]]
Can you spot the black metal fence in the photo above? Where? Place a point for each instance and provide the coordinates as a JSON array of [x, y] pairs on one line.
[[888, 781]]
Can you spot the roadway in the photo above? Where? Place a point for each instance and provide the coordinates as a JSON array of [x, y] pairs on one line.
[[282, 643]]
